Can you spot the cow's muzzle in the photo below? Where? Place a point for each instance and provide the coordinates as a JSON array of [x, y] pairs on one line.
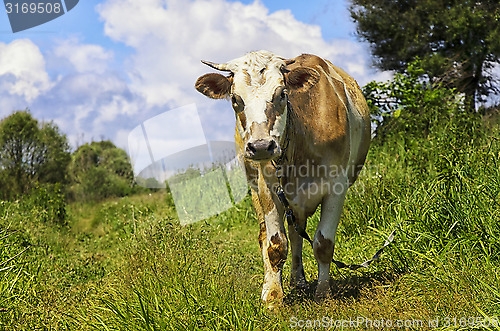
[[262, 149]]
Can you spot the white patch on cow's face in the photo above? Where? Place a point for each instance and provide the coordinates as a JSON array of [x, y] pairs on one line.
[[279, 126], [255, 109], [257, 77]]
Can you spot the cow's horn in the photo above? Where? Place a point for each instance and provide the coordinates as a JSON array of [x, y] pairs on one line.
[[218, 66]]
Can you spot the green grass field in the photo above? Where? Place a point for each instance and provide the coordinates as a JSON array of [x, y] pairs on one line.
[[127, 264]]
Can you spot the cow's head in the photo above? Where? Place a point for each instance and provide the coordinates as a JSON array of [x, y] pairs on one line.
[[258, 87]]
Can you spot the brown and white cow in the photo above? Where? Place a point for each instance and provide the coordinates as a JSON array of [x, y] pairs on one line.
[[311, 118]]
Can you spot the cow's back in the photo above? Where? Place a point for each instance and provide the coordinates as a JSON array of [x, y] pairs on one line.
[[359, 124], [331, 120]]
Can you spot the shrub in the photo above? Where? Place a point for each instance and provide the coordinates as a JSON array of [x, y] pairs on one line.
[[46, 203], [411, 105], [438, 170], [100, 170]]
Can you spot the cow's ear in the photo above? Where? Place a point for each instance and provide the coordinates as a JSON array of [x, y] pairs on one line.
[[301, 79], [215, 86]]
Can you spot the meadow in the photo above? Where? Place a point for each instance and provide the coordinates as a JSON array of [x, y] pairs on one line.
[[128, 264]]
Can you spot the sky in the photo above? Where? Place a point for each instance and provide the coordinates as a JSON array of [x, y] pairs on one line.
[[105, 68]]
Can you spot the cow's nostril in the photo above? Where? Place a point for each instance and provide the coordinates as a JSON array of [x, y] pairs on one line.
[[261, 149], [271, 147], [251, 148]]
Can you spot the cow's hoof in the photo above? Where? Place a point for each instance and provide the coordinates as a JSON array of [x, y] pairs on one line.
[[273, 306], [320, 297], [272, 297], [322, 292], [299, 285]]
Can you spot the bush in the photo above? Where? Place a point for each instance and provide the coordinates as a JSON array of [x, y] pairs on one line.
[[47, 203], [100, 170], [411, 105]]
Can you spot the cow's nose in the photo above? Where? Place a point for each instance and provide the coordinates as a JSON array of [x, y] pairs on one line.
[[261, 149]]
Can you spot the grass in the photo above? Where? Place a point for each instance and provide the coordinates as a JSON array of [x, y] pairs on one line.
[[127, 264]]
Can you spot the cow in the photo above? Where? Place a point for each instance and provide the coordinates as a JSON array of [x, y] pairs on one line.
[[302, 133]]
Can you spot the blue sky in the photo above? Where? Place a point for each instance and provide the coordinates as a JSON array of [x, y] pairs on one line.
[[105, 67]]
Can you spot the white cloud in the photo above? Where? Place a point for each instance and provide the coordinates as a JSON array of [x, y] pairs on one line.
[[84, 57], [170, 37], [22, 72], [92, 104], [84, 97]]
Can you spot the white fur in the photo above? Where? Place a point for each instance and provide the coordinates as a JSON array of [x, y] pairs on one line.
[[256, 77], [279, 125]]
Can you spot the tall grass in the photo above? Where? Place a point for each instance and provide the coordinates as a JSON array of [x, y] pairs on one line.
[[127, 264]]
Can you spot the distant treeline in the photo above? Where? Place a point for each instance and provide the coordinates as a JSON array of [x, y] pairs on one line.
[[37, 165]]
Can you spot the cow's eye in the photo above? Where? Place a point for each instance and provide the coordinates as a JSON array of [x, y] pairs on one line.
[[237, 103], [283, 94], [280, 95]]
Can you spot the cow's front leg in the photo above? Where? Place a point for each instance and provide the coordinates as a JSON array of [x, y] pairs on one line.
[[274, 246], [324, 238], [272, 237]]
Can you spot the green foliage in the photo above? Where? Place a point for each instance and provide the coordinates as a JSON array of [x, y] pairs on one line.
[[127, 264], [46, 203], [437, 165], [100, 170], [11, 269], [410, 105], [189, 174], [30, 152], [456, 40], [445, 191]]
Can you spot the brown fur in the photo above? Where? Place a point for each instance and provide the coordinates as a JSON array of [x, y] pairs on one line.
[[271, 115], [320, 119], [323, 249], [215, 86], [301, 79], [265, 198], [277, 252], [242, 118], [262, 234]]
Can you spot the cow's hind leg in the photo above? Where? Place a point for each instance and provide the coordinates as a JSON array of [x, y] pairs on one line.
[[324, 238], [297, 279]]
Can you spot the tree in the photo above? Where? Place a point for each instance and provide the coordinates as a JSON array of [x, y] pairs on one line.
[[457, 40], [30, 153], [411, 107], [99, 170]]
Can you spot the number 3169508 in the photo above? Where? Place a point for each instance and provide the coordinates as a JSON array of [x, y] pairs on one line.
[[33, 8]]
